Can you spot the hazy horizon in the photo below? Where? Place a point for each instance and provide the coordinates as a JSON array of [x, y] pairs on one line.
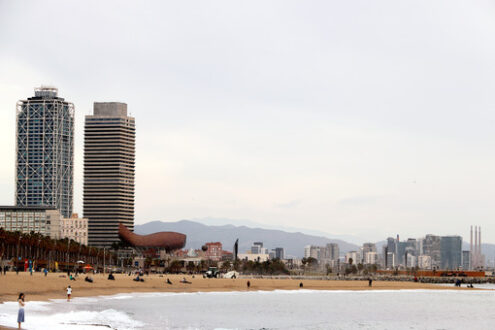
[[359, 118]]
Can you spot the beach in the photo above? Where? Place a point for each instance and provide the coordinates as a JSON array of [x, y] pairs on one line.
[[40, 288], [153, 304], [386, 308]]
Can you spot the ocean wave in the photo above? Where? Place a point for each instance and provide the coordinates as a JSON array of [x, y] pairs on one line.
[[108, 318]]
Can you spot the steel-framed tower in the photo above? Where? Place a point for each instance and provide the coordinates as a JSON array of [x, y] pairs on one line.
[[109, 160], [45, 151]]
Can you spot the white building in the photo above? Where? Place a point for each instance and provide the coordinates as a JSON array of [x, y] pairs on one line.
[[253, 257], [354, 255], [75, 228], [424, 262], [371, 258], [412, 261]]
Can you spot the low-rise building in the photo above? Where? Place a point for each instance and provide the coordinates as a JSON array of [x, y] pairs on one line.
[[26, 219], [424, 262], [213, 251], [253, 257], [74, 228]]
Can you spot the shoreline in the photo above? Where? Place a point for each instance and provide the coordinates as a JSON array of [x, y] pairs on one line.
[[40, 288]]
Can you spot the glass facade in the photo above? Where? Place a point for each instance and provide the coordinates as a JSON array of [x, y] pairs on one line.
[[45, 151]]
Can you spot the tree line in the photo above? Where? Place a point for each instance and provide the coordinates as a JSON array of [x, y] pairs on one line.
[[45, 251]]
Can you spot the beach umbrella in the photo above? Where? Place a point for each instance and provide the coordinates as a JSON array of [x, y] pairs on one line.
[[88, 267], [80, 262]]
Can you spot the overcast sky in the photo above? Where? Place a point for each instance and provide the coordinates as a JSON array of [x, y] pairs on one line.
[[366, 118]]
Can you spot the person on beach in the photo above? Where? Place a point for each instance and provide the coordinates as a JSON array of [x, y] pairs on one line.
[[69, 292], [45, 271], [20, 314], [370, 282], [248, 284]]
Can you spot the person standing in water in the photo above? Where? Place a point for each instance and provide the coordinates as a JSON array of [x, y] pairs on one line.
[[69, 292], [20, 314]]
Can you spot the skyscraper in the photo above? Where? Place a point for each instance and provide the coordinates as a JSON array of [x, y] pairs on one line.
[[45, 151], [451, 252], [109, 160]]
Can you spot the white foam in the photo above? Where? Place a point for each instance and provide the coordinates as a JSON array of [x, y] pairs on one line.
[[75, 320]]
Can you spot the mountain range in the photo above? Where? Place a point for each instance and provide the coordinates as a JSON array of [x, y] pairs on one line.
[[198, 234], [293, 242]]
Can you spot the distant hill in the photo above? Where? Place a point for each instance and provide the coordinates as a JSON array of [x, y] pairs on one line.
[[198, 234]]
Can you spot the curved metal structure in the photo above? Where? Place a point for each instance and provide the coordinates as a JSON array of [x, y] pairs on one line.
[[165, 240]]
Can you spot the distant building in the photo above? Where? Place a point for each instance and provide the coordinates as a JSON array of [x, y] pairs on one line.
[[257, 248], [371, 258], [411, 261], [307, 251], [369, 247], [214, 251], [369, 254], [432, 248], [390, 261], [451, 252], [42, 220], [466, 260], [253, 257], [312, 251], [354, 255], [424, 262], [332, 251], [45, 151], [279, 253], [74, 228]]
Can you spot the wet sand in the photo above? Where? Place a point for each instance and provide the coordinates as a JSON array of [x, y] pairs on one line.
[[40, 288]]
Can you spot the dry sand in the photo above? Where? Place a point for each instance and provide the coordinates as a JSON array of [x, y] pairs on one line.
[[38, 287]]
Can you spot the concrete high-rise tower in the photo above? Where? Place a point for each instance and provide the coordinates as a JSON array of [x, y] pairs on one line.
[[109, 160], [45, 151]]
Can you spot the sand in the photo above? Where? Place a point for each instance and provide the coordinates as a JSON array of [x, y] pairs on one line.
[[40, 288]]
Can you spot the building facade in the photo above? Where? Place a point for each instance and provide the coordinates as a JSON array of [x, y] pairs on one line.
[[466, 260], [432, 248], [109, 161], [279, 253], [45, 151], [451, 252], [74, 228], [42, 220], [213, 251], [257, 248]]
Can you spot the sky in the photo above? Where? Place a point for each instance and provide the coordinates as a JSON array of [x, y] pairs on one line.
[[363, 118]]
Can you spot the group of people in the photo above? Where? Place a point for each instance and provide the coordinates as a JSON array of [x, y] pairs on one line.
[[458, 283]]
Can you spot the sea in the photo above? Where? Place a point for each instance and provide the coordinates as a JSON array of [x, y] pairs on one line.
[[280, 309]]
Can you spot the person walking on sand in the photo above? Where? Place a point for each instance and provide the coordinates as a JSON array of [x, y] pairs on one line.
[[20, 314], [69, 292]]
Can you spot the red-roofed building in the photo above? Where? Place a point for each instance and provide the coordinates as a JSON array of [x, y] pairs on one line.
[[213, 251]]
